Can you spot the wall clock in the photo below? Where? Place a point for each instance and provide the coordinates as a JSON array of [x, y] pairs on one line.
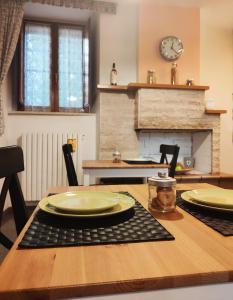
[[171, 48]]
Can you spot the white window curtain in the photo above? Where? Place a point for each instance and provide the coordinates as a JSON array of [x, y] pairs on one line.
[[37, 60], [11, 15], [70, 67]]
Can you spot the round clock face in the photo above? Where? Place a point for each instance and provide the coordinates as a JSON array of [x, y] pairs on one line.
[[171, 48]]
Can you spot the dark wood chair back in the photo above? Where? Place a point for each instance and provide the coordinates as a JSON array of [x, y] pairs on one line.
[[171, 150], [71, 174], [11, 163]]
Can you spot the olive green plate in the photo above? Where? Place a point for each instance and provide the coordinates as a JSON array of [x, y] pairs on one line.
[[125, 203], [187, 198], [213, 197], [84, 201]]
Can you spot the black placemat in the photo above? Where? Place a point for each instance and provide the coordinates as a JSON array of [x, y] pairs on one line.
[[219, 221], [134, 225]]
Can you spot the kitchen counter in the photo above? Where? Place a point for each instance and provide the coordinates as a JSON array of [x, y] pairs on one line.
[[93, 169], [223, 180]]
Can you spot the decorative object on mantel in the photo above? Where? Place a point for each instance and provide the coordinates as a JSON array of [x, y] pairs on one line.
[[189, 162], [171, 48], [113, 75], [189, 82], [174, 74], [97, 6], [151, 77]]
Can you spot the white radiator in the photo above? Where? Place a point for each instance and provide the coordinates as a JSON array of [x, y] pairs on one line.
[[44, 162]]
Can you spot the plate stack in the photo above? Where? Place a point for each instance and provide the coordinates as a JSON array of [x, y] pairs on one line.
[[86, 204], [215, 199]]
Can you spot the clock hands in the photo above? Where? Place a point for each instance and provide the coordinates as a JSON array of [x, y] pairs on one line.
[[177, 51]]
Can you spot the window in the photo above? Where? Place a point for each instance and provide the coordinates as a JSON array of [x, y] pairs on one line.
[[54, 67]]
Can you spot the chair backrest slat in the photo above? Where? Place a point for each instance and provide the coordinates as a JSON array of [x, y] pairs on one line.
[[11, 163], [170, 150], [71, 173]]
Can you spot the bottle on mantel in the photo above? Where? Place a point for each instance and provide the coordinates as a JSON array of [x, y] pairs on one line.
[[113, 75], [174, 74]]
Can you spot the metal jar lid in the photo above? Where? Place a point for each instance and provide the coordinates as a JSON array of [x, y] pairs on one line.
[[116, 153], [162, 181]]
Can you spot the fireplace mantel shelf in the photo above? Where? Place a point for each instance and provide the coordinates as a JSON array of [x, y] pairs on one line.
[[136, 86], [215, 111]]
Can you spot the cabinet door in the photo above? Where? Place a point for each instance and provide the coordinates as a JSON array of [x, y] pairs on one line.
[[213, 181], [190, 180], [226, 183]]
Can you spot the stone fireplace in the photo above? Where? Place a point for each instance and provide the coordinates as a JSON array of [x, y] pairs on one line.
[[137, 118]]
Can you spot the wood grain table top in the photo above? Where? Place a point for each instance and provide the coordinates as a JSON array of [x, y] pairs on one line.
[[108, 164], [198, 255]]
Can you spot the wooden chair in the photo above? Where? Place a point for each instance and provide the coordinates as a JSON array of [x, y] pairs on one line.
[[71, 174], [11, 162], [172, 150]]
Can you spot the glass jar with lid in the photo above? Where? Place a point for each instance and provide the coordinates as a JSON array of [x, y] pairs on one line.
[[162, 193], [116, 156]]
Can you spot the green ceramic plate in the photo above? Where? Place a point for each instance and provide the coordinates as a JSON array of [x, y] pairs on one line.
[[186, 197], [213, 197], [125, 203], [84, 201]]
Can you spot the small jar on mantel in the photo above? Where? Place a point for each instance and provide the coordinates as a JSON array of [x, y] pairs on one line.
[[151, 77]]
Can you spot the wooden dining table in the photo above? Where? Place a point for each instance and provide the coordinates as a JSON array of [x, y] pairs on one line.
[[198, 264], [94, 169]]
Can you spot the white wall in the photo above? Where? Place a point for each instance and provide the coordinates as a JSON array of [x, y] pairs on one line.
[[118, 43], [83, 125], [16, 125], [216, 55]]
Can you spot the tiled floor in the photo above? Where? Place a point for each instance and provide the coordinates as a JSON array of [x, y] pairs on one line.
[[8, 228]]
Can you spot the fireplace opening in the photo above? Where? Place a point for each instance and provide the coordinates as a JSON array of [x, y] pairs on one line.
[[195, 144]]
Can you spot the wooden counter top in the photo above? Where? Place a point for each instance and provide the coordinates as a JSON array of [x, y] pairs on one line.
[[198, 255], [108, 164]]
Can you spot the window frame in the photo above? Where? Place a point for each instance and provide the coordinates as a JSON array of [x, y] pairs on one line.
[[54, 67]]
